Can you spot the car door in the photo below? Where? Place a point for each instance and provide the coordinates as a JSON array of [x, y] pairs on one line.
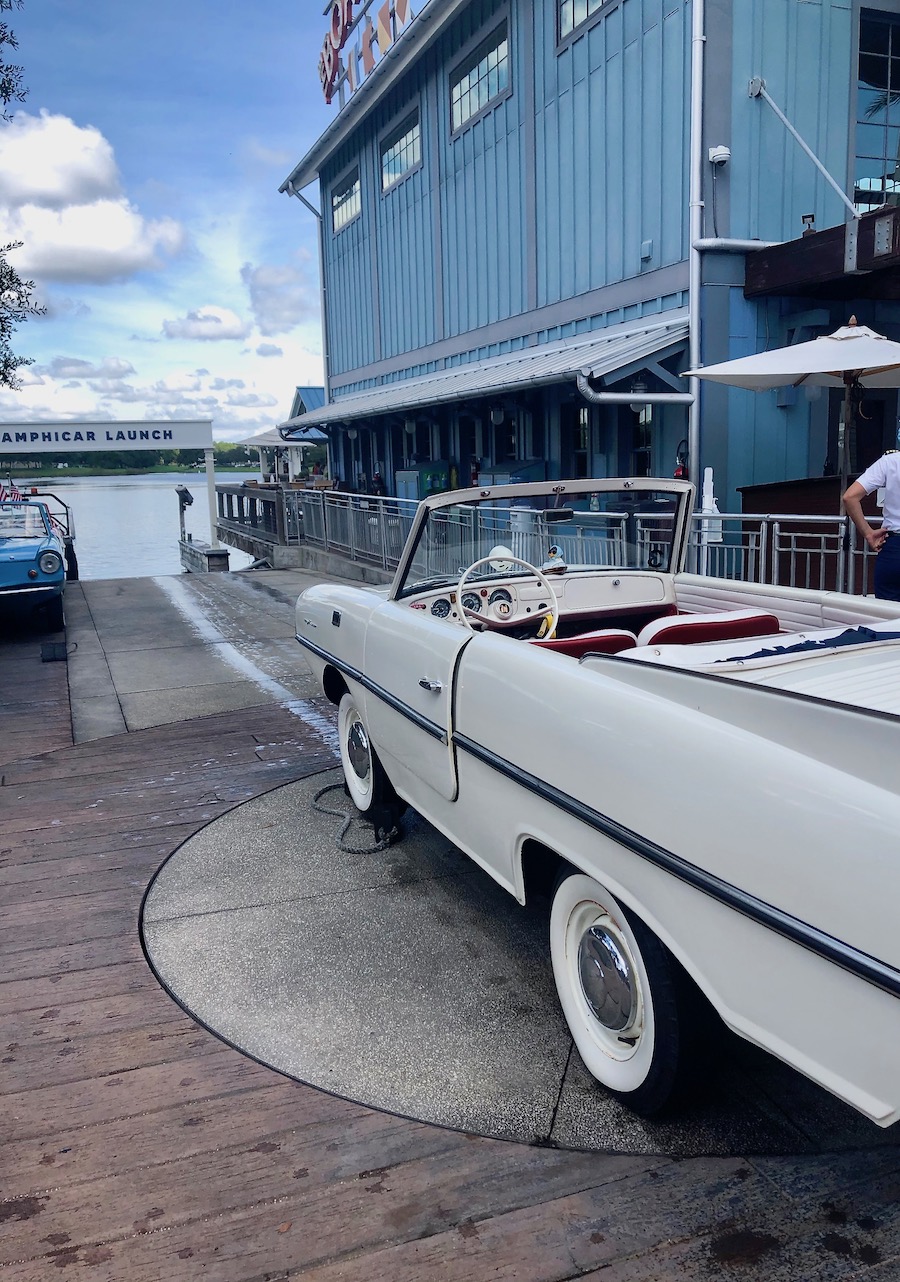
[[410, 660]]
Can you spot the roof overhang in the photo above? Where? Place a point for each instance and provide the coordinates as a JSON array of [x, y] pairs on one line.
[[859, 259], [598, 354], [425, 27]]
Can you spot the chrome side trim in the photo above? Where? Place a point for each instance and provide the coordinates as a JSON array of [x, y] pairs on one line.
[[800, 932], [431, 728]]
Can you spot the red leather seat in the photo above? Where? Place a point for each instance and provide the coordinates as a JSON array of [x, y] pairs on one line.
[[729, 625], [601, 641]]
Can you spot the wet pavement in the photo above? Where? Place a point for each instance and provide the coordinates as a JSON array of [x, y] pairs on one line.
[[405, 979]]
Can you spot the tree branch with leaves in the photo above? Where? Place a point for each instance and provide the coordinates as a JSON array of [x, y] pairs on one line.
[[16, 295]]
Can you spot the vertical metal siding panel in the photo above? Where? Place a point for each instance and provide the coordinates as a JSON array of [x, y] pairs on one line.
[[652, 175], [615, 165], [348, 269], [406, 252], [674, 135], [633, 160], [569, 191], [802, 50]]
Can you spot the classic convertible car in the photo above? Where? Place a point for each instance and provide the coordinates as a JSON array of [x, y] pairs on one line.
[[702, 771], [35, 548]]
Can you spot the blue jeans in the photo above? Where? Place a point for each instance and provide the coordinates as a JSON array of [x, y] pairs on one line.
[[887, 570]]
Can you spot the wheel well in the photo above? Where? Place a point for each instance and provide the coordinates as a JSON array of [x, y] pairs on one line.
[[541, 867], [334, 685]]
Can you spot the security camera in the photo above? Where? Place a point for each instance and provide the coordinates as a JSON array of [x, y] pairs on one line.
[[719, 155]]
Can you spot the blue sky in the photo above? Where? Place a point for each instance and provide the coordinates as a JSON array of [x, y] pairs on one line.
[[142, 173]]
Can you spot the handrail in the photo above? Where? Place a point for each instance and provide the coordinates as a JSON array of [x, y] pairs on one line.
[[789, 548]]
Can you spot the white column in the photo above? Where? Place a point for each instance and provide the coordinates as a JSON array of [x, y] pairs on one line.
[[210, 457]]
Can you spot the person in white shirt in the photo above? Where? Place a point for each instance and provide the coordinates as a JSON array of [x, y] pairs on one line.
[[883, 474]]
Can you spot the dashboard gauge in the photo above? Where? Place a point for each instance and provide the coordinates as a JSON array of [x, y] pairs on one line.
[[471, 601], [441, 607], [500, 594]]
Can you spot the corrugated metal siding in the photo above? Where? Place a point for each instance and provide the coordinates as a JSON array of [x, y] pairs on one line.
[[482, 202], [613, 130], [803, 51], [609, 137], [349, 274]]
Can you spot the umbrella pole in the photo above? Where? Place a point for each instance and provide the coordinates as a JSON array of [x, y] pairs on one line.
[[844, 436]]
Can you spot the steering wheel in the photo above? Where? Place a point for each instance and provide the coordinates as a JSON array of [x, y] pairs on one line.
[[516, 618]]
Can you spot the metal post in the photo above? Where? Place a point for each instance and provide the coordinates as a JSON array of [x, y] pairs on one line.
[[209, 457]]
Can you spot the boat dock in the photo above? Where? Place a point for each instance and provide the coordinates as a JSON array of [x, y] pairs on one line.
[[180, 748]]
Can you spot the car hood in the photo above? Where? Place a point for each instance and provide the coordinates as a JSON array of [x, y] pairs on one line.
[[24, 549]]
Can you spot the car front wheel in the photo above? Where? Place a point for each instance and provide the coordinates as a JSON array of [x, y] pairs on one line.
[[623, 997], [369, 788], [55, 615]]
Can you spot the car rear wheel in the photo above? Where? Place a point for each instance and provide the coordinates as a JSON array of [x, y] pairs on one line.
[[368, 786], [623, 996]]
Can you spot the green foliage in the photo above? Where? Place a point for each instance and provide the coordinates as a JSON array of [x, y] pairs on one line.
[[15, 294]]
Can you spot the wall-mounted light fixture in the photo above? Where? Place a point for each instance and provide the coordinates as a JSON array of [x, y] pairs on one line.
[[638, 389], [409, 426], [498, 414], [351, 433]]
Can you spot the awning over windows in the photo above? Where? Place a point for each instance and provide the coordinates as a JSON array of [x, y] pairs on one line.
[[597, 354]]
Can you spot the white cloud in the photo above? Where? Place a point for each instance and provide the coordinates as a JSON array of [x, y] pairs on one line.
[[250, 400], [52, 162], [207, 324], [281, 296], [269, 349], [111, 367], [60, 194], [105, 241]]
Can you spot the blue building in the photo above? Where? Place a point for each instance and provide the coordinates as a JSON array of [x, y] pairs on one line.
[[536, 214]]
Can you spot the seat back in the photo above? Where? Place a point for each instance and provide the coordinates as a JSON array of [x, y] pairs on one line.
[[729, 625], [601, 641]]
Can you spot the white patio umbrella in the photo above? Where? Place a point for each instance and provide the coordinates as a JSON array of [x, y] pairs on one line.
[[853, 357]]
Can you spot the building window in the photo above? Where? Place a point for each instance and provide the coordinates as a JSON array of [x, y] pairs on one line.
[[401, 151], [877, 174], [572, 13], [481, 79], [345, 201]]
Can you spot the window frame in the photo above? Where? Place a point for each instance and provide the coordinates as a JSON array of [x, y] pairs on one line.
[[345, 182], [886, 11], [590, 20], [392, 134], [469, 57]]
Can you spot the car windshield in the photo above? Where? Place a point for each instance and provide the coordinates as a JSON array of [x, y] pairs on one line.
[[630, 529], [22, 521]]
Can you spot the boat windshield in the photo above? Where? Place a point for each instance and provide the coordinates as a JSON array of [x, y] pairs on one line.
[[628, 529], [23, 521]]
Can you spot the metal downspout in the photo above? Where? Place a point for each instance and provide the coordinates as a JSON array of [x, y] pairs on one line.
[[292, 191], [728, 245], [628, 398], [698, 39]]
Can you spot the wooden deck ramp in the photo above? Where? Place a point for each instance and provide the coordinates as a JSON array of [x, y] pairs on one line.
[[137, 1147]]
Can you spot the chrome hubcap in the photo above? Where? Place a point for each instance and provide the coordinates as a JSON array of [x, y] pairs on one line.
[[358, 749], [606, 978]]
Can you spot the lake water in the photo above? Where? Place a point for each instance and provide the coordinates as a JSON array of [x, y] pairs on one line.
[[127, 526]]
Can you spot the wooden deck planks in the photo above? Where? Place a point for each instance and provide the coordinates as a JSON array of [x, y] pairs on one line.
[[137, 1147]]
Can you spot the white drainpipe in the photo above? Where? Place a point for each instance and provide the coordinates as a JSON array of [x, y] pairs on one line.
[[698, 39], [726, 245], [629, 398]]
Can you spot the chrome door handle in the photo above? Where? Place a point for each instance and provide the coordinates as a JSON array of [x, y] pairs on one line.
[[309, 623], [427, 684]]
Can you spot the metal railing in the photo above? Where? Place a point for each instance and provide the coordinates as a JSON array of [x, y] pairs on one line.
[[823, 552]]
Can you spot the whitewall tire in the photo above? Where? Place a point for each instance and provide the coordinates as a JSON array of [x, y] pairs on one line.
[[621, 995], [368, 786]]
